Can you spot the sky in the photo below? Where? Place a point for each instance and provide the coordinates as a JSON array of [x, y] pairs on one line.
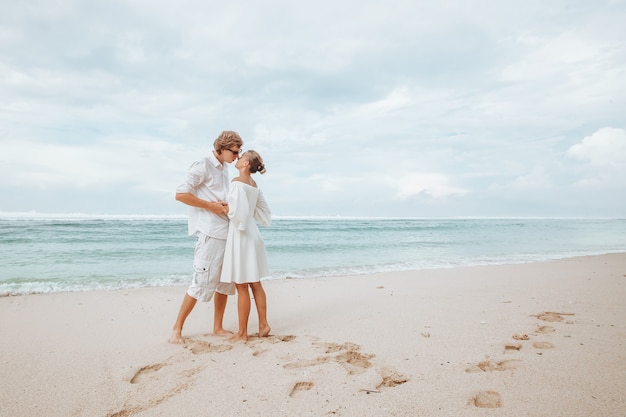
[[449, 108]]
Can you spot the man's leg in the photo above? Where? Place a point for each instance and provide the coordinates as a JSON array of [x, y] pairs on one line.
[[218, 316], [185, 308]]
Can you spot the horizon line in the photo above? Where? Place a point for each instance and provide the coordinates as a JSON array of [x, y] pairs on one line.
[[103, 216]]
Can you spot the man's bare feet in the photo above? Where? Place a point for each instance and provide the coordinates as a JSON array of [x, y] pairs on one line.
[[177, 338], [264, 331], [222, 332], [238, 338]]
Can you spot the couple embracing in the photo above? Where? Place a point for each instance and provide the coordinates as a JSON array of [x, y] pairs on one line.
[[229, 253]]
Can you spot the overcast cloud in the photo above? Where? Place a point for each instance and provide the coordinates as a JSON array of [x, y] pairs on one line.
[[359, 108]]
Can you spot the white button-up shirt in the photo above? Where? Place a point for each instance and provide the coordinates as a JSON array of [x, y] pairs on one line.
[[207, 179]]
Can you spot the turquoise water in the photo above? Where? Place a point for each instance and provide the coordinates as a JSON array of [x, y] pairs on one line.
[[75, 254]]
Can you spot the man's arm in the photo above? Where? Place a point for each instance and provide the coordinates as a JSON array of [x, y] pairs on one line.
[[217, 207]]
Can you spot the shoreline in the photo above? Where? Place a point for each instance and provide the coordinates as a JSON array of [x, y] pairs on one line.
[[462, 341], [556, 258]]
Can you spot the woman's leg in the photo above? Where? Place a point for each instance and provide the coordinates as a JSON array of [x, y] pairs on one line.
[[243, 310], [261, 307]]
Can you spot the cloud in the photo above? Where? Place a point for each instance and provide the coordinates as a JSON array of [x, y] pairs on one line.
[[143, 163], [429, 185], [605, 149], [536, 179], [352, 104], [602, 158], [547, 57]]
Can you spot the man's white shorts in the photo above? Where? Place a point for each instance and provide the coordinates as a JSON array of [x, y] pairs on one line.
[[207, 268]]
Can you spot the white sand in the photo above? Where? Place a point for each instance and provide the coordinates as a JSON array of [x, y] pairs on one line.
[[424, 343]]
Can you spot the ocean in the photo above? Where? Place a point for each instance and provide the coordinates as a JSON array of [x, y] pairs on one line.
[[82, 253]]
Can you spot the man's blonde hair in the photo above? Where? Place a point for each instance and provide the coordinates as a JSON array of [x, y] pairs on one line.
[[227, 140]]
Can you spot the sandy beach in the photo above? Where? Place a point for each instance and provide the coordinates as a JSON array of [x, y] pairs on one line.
[[542, 339]]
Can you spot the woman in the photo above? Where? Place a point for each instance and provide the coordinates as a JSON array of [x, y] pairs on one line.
[[245, 260]]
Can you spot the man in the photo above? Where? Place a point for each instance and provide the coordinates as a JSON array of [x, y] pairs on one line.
[[204, 191]]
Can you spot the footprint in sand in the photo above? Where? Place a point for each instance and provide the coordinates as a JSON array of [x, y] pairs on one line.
[[278, 339], [488, 366], [199, 347], [486, 399], [552, 316], [520, 336], [354, 361], [545, 329], [391, 378], [348, 355], [259, 352], [307, 363], [301, 386], [543, 345], [336, 347], [512, 348], [161, 390], [148, 369]]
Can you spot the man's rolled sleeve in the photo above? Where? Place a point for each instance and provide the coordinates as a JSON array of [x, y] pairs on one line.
[[195, 177]]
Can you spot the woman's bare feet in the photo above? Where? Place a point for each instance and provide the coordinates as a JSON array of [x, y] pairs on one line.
[[238, 338], [177, 338], [222, 332], [265, 330]]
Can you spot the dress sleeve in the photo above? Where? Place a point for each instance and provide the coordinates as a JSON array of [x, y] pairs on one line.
[[262, 212], [237, 206]]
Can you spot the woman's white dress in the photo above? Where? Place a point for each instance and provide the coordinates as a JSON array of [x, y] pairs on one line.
[[245, 259]]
